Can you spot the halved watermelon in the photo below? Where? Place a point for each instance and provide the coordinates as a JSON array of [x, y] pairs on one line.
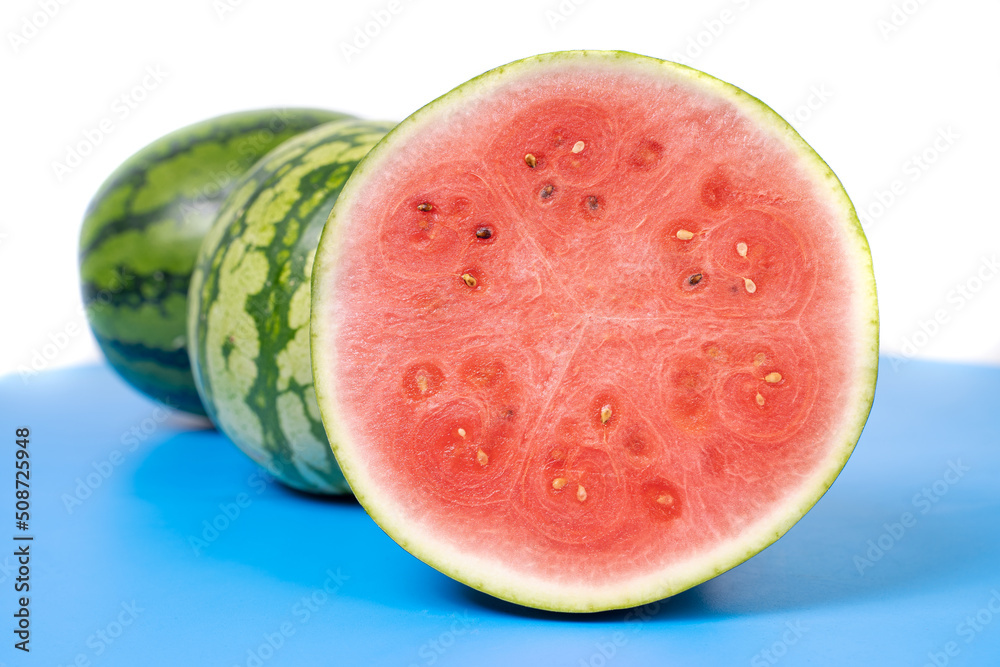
[[591, 329]]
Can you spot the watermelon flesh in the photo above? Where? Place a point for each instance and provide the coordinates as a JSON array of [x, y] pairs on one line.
[[592, 329]]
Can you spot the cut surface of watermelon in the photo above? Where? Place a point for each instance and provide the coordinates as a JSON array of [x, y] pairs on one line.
[[591, 329]]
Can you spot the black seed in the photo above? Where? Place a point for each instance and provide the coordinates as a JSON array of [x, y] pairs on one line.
[[592, 203], [425, 207], [695, 279], [484, 233], [547, 191]]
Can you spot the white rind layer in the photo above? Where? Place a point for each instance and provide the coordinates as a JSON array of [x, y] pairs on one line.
[[502, 580]]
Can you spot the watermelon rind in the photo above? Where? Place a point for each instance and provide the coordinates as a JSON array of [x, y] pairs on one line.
[[141, 234], [249, 304], [504, 580]]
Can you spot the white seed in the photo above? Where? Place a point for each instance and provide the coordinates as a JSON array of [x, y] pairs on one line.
[[750, 285], [605, 414], [581, 493], [759, 359], [772, 377], [578, 146], [760, 400], [666, 500], [422, 382], [741, 248], [558, 483], [461, 432], [469, 279], [684, 235], [482, 457]]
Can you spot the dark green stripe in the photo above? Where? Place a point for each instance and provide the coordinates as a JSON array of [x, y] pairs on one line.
[[217, 131], [176, 359], [137, 291], [271, 308]]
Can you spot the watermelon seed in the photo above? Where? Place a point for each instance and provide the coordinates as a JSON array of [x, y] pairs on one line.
[[592, 203], [484, 233], [759, 359], [605, 414], [684, 235], [760, 399], [750, 285], [741, 249], [422, 382], [469, 279], [482, 458], [772, 377], [695, 279], [547, 191], [461, 433], [578, 147], [558, 483], [425, 207], [581, 493], [530, 160], [666, 500]]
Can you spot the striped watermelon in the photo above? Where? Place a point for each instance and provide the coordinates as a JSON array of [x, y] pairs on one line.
[[249, 304], [141, 234]]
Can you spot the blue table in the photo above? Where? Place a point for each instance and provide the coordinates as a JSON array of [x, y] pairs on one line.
[[158, 543]]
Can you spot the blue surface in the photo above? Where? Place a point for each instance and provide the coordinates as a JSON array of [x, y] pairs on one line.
[[125, 554]]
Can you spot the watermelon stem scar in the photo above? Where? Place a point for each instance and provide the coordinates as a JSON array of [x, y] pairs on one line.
[[631, 336]]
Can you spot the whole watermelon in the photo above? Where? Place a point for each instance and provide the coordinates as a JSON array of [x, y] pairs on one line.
[[141, 234], [248, 325]]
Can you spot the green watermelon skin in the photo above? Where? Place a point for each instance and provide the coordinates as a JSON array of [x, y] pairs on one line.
[[250, 302], [141, 234]]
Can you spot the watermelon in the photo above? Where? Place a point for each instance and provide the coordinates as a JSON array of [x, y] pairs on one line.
[[248, 325], [141, 234], [591, 329]]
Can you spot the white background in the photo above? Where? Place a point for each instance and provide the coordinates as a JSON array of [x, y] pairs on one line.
[[885, 78]]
